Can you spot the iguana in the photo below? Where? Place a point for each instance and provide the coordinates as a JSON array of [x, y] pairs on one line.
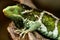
[[32, 20]]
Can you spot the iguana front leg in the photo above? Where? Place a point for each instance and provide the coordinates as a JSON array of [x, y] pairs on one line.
[[32, 26]]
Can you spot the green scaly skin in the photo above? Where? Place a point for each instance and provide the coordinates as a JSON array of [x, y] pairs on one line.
[[32, 22]]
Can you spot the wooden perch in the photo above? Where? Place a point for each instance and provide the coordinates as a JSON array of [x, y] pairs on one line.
[[27, 2], [29, 36]]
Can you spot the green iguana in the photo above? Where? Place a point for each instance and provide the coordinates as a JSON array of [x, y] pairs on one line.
[[31, 20]]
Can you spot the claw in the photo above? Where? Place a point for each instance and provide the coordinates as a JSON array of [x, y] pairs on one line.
[[24, 29], [21, 34], [17, 31]]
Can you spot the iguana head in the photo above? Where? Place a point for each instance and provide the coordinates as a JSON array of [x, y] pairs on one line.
[[16, 9], [14, 13]]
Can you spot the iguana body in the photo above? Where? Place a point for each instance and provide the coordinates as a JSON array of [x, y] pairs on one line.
[[32, 20]]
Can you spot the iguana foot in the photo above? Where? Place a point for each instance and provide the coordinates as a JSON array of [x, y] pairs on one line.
[[24, 33], [18, 31]]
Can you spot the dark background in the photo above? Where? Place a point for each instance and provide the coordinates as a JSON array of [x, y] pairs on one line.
[[4, 22], [52, 6]]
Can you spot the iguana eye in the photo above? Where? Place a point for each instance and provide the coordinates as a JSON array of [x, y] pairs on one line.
[[26, 7]]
